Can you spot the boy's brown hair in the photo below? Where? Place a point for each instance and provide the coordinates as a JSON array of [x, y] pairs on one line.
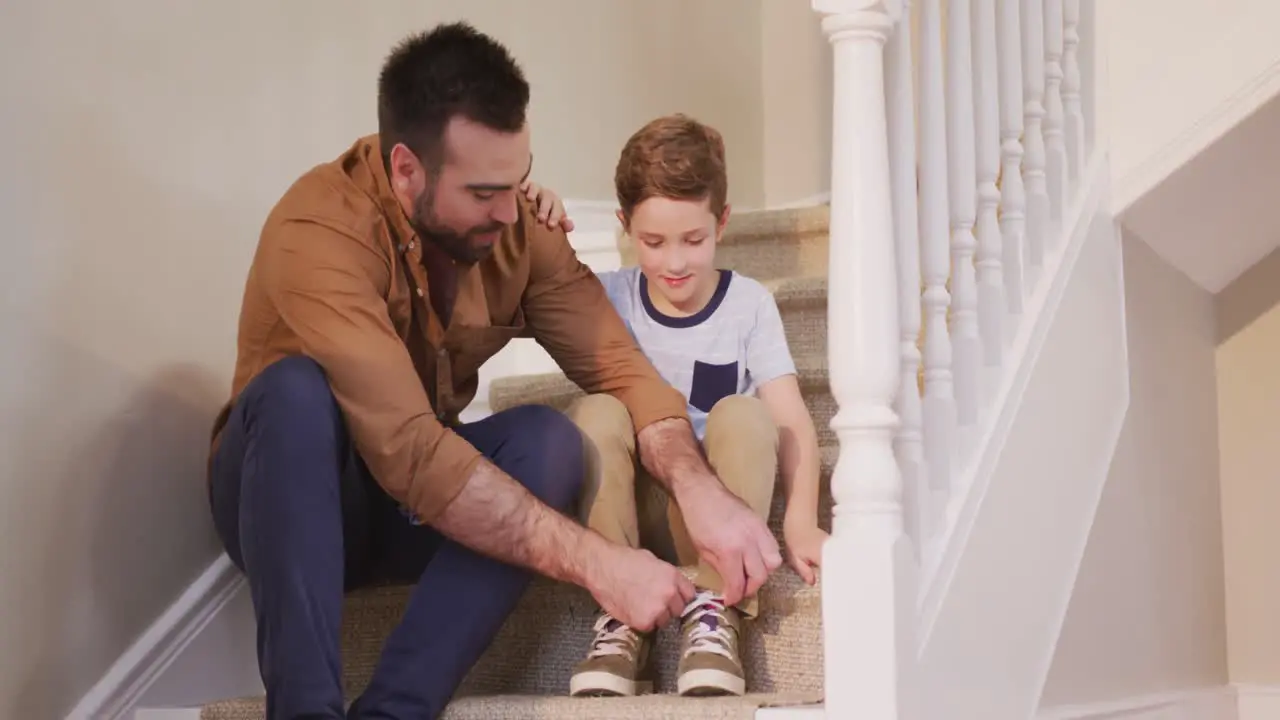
[[675, 157]]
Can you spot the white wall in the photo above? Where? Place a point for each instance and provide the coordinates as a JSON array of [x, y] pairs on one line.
[[1146, 615], [1180, 75], [144, 142]]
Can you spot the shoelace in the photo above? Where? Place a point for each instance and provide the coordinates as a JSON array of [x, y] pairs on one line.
[[613, 638], [710, 631]]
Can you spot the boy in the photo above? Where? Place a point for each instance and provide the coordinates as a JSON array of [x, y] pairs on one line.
[[716, 336]]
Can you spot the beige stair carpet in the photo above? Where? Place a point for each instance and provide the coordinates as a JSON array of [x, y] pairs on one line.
[[525, 673]]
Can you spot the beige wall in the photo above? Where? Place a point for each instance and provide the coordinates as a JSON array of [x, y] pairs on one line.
[[797, 102], [1249, 432], [143, 144], [1147, 612]]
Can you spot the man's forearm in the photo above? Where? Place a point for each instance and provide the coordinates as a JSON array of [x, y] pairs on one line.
[[670, 452], [498, 517]]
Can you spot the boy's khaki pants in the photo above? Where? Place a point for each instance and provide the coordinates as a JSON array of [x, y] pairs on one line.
[[624, 504]]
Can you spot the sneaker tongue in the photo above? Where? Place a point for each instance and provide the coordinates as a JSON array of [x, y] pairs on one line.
[[612, 625]]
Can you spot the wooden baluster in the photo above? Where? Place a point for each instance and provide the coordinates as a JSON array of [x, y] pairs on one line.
[[1055, 118], [1013, 196], [1071, 91], [991, 302], [902, 159], [1033, 170], [935, 263], [869, 570], [962, 184]]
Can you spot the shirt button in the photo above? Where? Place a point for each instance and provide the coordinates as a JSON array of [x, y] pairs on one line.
[[419, 292]]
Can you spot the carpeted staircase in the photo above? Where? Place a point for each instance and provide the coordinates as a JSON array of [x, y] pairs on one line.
[[525, 673]]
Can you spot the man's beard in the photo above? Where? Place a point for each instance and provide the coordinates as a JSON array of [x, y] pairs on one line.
[[457, 246]]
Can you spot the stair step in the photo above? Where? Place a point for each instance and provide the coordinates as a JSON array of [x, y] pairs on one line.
[[550, 630], [769, 243], [524, 707]]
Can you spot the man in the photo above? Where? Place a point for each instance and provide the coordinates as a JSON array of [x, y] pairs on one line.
[[381, 283]]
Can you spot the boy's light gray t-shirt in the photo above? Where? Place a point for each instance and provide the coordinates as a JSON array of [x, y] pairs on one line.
[[732, 346]]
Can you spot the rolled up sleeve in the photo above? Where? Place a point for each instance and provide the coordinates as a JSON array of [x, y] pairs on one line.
[[571, 317], [328, 287]]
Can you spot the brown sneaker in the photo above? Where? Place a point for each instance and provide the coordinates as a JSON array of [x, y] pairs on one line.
[[613, 666], [709, 661]]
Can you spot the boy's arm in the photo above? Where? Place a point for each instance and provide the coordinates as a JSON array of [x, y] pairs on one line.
[[798, 456], [771, 366]]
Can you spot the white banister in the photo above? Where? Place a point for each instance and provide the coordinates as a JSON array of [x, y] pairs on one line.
[[1013, 197], [935, 263], [962, 185], [991, 301], [902, 167], [1071, 90], [869, 569], [1033, 170], [1055, 116]]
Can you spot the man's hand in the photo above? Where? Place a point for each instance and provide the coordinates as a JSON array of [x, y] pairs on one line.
[[638, 588], [730, 537], [725, 532], [550, 207]]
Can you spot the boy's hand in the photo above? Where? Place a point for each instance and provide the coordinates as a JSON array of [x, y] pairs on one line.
[[804, 541], [550, 207]]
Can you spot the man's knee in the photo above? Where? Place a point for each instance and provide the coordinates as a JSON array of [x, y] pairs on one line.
[[290, 403], [295, 383], [549, 461], [742, 419]]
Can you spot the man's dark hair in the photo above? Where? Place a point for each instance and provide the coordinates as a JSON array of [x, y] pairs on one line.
[[433, 76]]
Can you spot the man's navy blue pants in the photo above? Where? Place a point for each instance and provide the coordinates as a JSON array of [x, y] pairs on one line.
[[299, 513]]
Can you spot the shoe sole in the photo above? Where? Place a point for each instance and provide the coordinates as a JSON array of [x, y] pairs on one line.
[[710, 682], [603, 684]]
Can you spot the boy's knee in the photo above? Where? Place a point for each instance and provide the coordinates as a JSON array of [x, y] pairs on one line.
[[552, 467], [744, 418], [603, 418]]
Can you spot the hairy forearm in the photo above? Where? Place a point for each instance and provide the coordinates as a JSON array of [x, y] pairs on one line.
[[671, 454], [498, 517]]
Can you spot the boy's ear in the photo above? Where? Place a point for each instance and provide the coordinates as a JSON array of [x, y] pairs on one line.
[[722, 222], [622, 218]]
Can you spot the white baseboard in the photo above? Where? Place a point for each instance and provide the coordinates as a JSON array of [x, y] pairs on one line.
[[1213, 703], [116, 694], [1257, 702], [807, 712]]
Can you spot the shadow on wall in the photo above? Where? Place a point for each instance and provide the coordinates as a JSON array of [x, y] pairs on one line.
[[1249, 297], [111, 423], [121, 542]]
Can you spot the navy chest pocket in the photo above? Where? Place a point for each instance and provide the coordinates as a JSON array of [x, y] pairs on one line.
[[712, 383]]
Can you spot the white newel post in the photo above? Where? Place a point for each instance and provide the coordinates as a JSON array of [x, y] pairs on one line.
[[869, 570], [902, 167]]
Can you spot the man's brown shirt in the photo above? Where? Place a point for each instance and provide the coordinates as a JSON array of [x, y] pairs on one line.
[[338, 277]]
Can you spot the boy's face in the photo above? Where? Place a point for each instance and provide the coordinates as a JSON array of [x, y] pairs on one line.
[[676, 247]]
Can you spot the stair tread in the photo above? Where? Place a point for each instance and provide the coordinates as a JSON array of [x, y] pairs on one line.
[[547, 707]]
